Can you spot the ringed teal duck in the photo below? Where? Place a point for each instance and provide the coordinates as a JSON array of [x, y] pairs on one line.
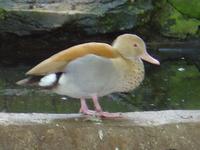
[[92, 70]]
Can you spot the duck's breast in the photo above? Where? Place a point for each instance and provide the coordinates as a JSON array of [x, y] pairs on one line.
[[131, 74]]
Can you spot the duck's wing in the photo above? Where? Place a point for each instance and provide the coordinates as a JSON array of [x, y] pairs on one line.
[[59, 61], [90, 74]]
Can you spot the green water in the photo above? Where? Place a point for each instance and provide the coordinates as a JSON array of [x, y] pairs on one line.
[[173, 85]]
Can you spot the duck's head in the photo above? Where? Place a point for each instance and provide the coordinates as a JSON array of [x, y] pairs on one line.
[[131, 46]]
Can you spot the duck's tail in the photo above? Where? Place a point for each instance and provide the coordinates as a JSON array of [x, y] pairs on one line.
[[31, 81]]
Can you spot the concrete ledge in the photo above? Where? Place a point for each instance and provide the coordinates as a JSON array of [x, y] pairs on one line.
[[161, 130]]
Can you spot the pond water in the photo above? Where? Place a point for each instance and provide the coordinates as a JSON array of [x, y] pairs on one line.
[[173, 85]]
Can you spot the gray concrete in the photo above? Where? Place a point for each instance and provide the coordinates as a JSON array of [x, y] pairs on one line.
[[160, 130]]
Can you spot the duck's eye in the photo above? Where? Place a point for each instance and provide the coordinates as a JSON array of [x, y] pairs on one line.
[[135, 45]]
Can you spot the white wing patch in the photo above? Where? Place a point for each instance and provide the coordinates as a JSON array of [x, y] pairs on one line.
[[47, 80]]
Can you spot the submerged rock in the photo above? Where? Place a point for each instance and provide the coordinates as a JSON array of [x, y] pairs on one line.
[[139, 130]]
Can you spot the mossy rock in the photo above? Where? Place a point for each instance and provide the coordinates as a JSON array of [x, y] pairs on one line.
[[190, 8], [90, 17], [175, 24], [124, 17]]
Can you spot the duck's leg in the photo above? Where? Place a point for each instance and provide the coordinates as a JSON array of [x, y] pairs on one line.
[[84, 108], [96, 104], [100, 112]]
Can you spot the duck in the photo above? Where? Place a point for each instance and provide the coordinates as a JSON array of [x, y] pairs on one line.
[[92, 70]]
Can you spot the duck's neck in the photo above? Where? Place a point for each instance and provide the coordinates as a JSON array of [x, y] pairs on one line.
[[137, 64], [118, 44]]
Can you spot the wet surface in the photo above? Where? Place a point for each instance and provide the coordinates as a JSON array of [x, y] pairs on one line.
[[173, 85]]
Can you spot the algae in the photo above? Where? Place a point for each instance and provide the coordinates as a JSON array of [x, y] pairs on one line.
[[182, 26], [126, 16], [175, 24], [190, 8]]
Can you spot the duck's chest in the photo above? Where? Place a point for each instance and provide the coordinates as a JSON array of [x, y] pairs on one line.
[[131, 75]]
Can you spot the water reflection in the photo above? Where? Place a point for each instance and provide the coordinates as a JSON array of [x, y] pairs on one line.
[[173, 85]]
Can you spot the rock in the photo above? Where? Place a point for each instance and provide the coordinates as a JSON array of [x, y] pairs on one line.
[[176, 21], [32, 30], [188, 8], [139, 130], [89, 16]]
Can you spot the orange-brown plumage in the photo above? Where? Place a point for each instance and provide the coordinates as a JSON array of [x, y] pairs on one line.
[[58, 62]]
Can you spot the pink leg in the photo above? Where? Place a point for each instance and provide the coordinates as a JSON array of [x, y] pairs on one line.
[[96, 103], [84, 108], [101, 113]]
